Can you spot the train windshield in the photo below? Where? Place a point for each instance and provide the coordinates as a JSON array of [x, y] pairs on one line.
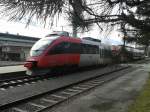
[[40, 46]]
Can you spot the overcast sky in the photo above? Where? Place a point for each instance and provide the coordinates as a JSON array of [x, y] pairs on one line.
[[37, 30]]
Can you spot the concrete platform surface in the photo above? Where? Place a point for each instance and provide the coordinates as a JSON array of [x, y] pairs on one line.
[[10, 63], [114, 96], [9, 69]]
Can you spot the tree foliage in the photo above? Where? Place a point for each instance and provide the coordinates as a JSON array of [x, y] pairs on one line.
[[83, 13]]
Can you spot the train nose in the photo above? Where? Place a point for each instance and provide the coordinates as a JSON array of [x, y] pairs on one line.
[[29, 64]]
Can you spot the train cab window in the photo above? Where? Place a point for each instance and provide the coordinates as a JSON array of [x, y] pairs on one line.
[[38, 48]]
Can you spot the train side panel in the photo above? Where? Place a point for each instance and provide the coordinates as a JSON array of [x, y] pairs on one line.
[[89, 59], [94, 53], [60, 54], [59, 60]]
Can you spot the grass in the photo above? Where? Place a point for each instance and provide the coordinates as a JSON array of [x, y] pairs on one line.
[[142, 102]]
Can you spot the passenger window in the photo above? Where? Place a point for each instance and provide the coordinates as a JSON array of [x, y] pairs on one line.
[[74, 48], [97, 50], [100, 52], [65, 47], [56, 49], [83, 49], [103, 53]]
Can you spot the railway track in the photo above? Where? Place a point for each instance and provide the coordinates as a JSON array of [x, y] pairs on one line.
[[11, 75], [51, 99], [9, 83], [26, 79]]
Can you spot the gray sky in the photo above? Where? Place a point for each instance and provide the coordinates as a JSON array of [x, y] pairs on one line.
[[37, 30]]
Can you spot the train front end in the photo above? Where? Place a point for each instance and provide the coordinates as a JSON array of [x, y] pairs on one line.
[[36, 64]]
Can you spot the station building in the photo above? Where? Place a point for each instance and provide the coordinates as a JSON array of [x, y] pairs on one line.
[[15, 47]]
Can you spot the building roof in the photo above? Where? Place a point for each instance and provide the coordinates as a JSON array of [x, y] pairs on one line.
[[13, 36], [16, 40]]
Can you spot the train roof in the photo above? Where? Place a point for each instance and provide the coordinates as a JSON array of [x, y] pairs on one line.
[[101, 45], [85, 40], [58, 33], [92, 39]]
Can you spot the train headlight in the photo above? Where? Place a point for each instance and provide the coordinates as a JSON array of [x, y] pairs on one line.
[[30, 64]]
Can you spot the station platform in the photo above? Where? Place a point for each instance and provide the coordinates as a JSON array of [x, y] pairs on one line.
[[10, 63], [12, 69]]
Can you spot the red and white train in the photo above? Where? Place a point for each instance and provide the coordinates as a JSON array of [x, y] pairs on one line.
[[61, 50]]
